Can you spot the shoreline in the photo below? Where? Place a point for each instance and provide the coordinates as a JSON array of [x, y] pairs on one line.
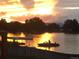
[[33, 53]]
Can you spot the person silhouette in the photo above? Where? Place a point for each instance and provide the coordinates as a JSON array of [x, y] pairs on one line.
[[49, 41]]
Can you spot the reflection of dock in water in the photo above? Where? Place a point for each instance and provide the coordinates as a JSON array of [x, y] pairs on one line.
[[23, 38], [13, 43], [29, 37]]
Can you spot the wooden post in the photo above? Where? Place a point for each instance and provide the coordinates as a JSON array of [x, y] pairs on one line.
[[4, 50]]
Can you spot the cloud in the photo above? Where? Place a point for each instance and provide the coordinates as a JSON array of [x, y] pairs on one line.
[[2, 13], [28, 3], [8, 2], [15, 9], [67, 9], [67, 3]]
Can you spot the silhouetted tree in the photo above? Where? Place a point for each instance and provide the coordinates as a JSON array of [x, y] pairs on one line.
[[3, 25], [75, 26], [14, 27], [35, 25], [53, 27], [71, 26], [68, 24]]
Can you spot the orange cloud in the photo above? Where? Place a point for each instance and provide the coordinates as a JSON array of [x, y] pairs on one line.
[[2, 13], [19, 8], [28, 4]]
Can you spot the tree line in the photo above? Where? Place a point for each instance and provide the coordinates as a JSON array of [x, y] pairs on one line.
[[36, 25]]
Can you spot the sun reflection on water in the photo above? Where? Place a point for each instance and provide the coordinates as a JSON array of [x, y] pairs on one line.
[[42, 38], [38, 38], [45, 37], [16, 35]]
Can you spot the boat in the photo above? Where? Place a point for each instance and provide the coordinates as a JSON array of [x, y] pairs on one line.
[[48, 44]]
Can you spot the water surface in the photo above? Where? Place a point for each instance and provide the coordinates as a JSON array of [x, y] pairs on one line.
[[69, 43]]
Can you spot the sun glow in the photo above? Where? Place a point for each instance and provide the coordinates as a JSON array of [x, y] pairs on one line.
[[45, 37], [44, 7], [15, 8]]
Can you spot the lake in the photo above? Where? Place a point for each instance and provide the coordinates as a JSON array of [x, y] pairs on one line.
[[69, 43]]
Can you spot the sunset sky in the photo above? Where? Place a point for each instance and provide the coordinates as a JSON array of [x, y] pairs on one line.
[[48, 10]]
